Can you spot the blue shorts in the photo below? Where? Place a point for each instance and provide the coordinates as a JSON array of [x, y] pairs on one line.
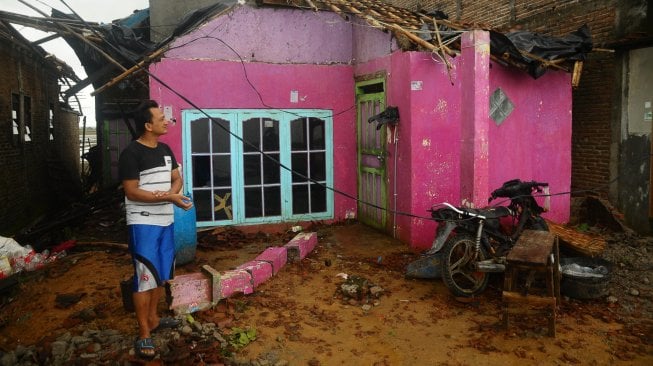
[[153, 255]]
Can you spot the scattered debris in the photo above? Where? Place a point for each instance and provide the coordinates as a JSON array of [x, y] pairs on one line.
[[357, 290], [64, 301], [584, 243]]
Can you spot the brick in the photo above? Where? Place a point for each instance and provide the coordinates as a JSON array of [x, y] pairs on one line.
[[189, 293], [238, 280], [276, 256], [260, 271], [300, 246]]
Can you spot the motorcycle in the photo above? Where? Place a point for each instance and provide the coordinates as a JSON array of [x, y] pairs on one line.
[[472, 243]]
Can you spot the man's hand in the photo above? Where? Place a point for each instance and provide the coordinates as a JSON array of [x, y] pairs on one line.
[[180, 200], [136, 194]]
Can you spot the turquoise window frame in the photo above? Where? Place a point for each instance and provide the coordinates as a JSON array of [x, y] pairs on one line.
[[235, 118]]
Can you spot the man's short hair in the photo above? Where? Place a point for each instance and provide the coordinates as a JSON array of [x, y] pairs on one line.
[[143, 115]]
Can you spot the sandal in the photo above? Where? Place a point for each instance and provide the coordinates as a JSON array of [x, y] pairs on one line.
[[141, 346], [166, 323]]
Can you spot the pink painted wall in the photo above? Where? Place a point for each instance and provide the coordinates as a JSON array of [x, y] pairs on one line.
[[435, 140], [369, 43], [281, 50], [313, 53], [534, 142], [428, 141], [431, 144], [269, 35], [222, 84]]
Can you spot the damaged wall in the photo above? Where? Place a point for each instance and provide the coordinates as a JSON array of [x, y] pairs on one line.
[[286, 50], [291, 54], [635, 138], [298, 37], [532, 143], [41, 175], [599, 141]]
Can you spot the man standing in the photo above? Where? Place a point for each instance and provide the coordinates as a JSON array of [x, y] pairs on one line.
[[152, 182]]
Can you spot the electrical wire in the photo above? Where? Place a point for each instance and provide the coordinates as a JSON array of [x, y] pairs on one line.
[[185, 99], [342, 193]]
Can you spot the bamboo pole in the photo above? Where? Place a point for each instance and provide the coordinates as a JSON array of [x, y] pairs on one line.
[[412, 37], [578, 70], [444, 48], [310, 3], [128, 72]]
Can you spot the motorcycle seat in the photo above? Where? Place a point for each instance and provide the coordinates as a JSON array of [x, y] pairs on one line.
[[489, 213]]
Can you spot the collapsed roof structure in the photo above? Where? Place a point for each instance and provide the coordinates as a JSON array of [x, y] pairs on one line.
[[67, 76], [112, 52]]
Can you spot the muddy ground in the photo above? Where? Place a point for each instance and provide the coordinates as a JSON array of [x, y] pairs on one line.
[[300, 318]]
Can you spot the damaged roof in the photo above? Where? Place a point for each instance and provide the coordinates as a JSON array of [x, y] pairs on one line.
[[528, 51], [12, 35], [64, 72], [107, 50]]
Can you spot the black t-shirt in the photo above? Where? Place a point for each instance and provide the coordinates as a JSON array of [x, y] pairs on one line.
[[152, 167]]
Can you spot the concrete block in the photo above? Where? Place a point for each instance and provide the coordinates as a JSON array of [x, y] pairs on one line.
[[214, 277], [259, 270], [189, 293], [276, 256], [238, 280], [299, 247]]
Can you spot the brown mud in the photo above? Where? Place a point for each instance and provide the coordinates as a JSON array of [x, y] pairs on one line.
[[300, 316]]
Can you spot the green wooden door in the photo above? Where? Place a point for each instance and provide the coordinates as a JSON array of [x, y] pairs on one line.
[[372, 193]]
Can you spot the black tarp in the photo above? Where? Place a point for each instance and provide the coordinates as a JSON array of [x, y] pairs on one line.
[[125, 44], [571, 48]]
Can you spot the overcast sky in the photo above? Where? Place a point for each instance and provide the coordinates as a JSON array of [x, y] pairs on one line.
[[100, 11]]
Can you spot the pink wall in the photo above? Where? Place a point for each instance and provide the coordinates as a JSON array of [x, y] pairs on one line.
[[436, 162], [428, 140], [534, 142], [369, 43], [435, 141], [474, 94], [269, 35], [220, 84]]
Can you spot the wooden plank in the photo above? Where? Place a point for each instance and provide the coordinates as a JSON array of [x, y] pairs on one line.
[[532, 247], [539, 301]]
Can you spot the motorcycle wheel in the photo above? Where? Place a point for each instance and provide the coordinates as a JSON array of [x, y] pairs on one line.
[[457, 267]]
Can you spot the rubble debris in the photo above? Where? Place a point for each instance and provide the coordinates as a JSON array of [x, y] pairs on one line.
[[596, 211], [357, 290], [64, 301], [584, 243], [226, 237]]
